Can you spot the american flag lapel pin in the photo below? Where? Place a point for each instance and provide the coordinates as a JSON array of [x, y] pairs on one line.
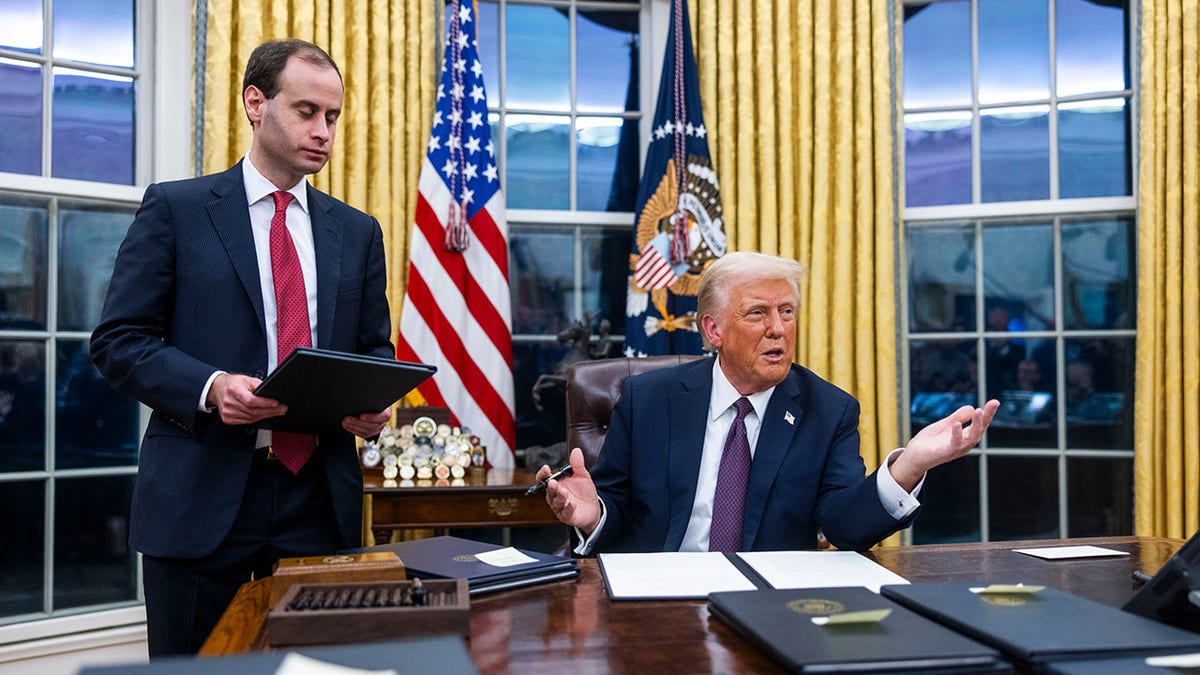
[[789, 417]]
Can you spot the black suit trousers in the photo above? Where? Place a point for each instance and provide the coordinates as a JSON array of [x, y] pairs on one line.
[[281, 516]]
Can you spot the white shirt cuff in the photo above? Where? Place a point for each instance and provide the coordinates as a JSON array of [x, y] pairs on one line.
[[898, 503], [204, 393], [586, 543]]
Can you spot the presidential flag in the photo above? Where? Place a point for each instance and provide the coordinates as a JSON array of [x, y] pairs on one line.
[[456, 313], [680, 225]]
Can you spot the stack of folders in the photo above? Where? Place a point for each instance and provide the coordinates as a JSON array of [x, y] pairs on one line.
[[848, 629], [1037, 626], [486, 567]]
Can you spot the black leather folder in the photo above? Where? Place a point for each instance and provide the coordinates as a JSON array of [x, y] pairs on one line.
[[448, 557], [423, 656], [320, 387], [1035, 628], [780, 623]]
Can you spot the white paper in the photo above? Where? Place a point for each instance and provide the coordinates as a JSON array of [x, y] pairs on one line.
[[1063, 552], [820, 569], [504, 557], [670, 575], [299, 664], [1174, 661]]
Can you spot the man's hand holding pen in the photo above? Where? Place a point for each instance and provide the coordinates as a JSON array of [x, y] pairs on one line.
[[573, 496]]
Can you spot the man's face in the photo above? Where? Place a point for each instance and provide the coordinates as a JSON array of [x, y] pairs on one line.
[[293, 132], [755, 334]]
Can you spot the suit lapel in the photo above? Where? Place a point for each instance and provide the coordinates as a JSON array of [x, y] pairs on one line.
[[327, 242], [230, 217], [687, 415], [775, 438]]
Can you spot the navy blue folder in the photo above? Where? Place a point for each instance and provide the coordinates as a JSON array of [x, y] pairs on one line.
[[1035, 628], [448, 557], [423, 656], [780, 623]]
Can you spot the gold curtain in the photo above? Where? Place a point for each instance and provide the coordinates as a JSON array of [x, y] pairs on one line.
[[798, 99], [387, 51], [1167, 407]]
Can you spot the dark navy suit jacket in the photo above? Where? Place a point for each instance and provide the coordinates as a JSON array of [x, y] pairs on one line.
[[186, 300], [806, 474]]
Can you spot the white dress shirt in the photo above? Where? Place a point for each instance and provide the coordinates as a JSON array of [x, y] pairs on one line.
[[299, 224]]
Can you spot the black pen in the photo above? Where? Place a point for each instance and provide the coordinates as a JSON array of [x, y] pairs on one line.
[[541, 484]]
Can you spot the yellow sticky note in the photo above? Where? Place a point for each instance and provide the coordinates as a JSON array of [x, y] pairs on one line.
[[1008, 588], [867, 616]]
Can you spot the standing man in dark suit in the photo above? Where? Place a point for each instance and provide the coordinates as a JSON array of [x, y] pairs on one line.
[[219, 278], [747, 451]]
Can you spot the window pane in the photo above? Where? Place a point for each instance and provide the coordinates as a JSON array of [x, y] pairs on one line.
[[1099, 496], [87, 247], [1015, 153], [21, 28], [1098, 281], [1099, 392], [542, 277], [937, 54], [96, 425], [1028, 414], [1018, 277], [605, 273], [1090, 38], [941, 278], [94, 31], [538, 59], [943, 378], [532, 361], [93, 563], [605, 41], [937, 158], [23, 264], [1014, 50], [22, 405], [488, 35], [538, 162], [1093, 137], [22, 581], [20, 116], [949, 504], [1023, 499], [602, 163], [92, 127]]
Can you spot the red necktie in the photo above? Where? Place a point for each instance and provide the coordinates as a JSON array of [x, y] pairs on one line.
[[726, 533], [291, 323]]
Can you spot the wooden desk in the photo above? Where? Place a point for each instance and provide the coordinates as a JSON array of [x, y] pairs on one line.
[[494, 499], [573, 625]]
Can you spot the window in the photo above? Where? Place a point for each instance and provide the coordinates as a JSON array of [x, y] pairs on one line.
[[1020, 246], [563, 80], [77, 112]]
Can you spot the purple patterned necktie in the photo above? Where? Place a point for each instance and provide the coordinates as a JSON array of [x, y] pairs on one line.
[[291, 321], [726, 533]]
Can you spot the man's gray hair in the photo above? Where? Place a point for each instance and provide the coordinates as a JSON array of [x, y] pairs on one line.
[[742, 267]]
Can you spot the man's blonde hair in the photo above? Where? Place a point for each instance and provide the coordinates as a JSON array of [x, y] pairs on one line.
[[742, 267]]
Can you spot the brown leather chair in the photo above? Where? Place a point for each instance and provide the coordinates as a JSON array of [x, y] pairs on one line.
[[593, 388]]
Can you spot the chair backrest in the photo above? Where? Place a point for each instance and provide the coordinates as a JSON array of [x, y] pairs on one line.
[[593, 388]]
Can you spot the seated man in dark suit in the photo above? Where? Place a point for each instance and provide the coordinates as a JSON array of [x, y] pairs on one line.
[[747, 451]]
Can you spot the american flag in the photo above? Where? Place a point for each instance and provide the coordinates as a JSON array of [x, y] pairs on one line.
[[456, 312]]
